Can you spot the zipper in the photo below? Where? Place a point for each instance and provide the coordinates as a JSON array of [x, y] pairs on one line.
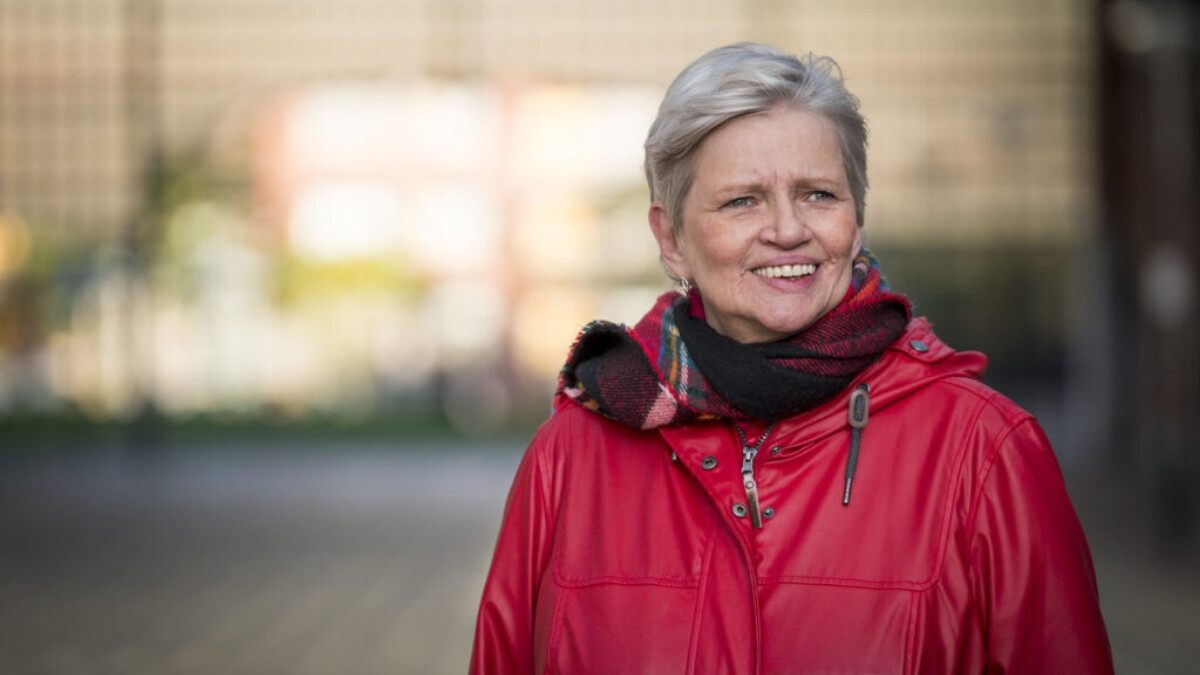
[[749, 452]]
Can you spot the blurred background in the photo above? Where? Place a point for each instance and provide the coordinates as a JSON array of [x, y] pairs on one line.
[[285, 284]]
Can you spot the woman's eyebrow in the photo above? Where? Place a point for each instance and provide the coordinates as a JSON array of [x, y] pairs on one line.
[[740, 186]]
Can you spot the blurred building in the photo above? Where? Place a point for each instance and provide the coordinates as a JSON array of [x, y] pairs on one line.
[[991, 100], [342, 206], [1150, 237]]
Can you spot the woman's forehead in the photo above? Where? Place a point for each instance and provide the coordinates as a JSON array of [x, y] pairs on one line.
[[791, 144]]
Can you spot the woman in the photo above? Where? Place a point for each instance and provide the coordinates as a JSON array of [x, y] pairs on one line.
[[781, 471]]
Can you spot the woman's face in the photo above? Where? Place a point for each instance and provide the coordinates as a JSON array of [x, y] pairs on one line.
[[768, 232]]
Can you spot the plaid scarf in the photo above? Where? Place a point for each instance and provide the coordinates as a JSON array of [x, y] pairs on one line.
[[672, 368]]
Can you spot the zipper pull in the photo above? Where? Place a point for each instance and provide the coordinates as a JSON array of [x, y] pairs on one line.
[[860, 402], [748, 454]]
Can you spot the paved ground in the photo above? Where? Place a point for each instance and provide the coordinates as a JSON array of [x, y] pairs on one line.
[[266, 561], [361, 559]]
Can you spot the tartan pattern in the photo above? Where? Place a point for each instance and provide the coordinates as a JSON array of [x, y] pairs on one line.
[[675, 363]]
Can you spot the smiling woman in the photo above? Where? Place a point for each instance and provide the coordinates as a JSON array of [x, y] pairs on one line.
[[696, 502]]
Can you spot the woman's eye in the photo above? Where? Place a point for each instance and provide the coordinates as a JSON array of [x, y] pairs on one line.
[[820, 196], [738, 202]]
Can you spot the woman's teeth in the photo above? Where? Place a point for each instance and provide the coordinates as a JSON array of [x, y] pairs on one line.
[[784, 271]]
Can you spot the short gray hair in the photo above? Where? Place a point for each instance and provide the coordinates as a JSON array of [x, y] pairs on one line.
[[746, 79]]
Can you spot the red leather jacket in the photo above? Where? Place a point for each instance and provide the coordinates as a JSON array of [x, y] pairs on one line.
[[626, 551]]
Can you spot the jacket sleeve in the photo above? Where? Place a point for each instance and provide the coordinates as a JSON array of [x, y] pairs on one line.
[[504, 629], [1031, 567]]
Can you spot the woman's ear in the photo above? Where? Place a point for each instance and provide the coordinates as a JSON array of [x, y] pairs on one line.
[[669, 248]]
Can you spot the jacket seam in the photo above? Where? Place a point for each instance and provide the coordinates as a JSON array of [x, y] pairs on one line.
[[551, 515], [985, 472], [552, 532], [621, 581], [701, 596], [969, 526], [566, 471], [988, 399], [553, 518], [545, 463], [847, 582], [555, 631], [956, 482], [910, 649]]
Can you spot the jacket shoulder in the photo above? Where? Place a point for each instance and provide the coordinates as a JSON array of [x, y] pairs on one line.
[[572, 429], [932, 365], [567, 420], [995, 404]]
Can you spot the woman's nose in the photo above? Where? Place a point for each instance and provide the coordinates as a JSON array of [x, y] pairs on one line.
[[787, 228]]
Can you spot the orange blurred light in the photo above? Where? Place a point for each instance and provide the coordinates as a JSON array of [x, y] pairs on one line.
[[15, 243]]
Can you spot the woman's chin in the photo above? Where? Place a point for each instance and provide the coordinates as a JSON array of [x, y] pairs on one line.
[[787, 319], [765, 329]]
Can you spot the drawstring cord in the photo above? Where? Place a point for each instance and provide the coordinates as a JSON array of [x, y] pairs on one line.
[[859, 403]]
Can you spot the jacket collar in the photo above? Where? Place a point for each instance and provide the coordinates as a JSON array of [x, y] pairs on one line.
[[914, 361]]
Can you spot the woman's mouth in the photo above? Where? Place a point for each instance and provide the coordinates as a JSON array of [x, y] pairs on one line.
[[785, 271]]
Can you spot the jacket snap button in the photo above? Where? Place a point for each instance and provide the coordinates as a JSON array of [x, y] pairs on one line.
[[768, 512], [739, 510], [918, 346], [709, 463]]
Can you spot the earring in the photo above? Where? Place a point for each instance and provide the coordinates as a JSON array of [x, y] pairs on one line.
[[685, 286]]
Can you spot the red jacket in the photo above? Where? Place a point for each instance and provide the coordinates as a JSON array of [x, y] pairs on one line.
[[627, 551]]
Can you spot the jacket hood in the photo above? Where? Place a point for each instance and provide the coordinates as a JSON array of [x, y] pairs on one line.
[[915, 360]]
